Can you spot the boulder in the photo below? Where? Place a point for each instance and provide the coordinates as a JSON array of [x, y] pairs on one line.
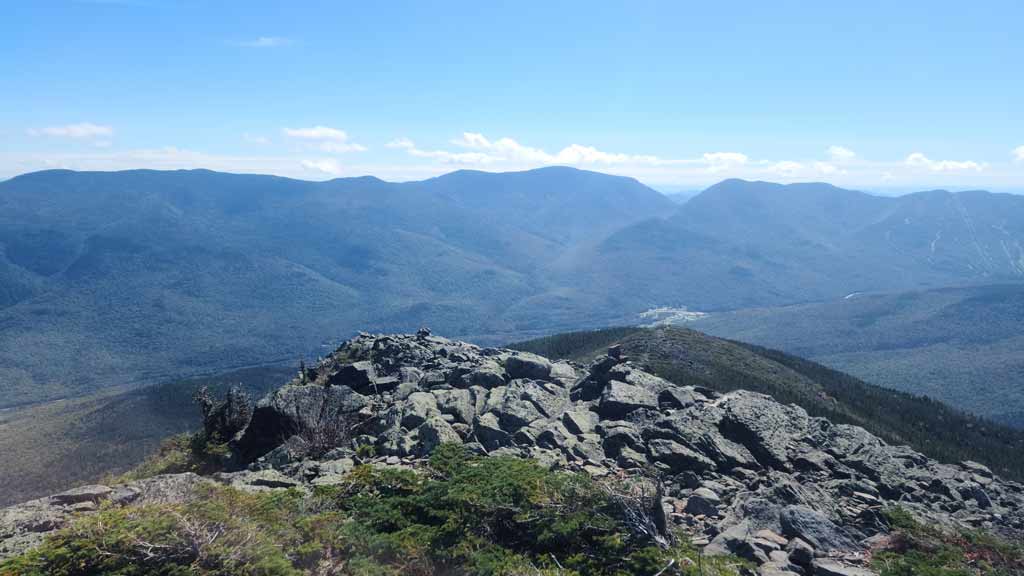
[[357, 375], [293, 409], [487, 375], [434, 432], [457, 402], [618, 434], [526, 365], [580, 421], [619, 399], [702, 502], [829, 567], [418, 407], [563, 372], [800, 552], [92, 493], [489, 432], [677, 456], [814, 528]]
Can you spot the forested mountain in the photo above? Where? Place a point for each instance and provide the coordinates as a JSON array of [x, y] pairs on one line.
[[143, 276], [959, 345], [744, 244]]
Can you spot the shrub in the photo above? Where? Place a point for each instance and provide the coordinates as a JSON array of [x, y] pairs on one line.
[[916, 549], [462, 515]]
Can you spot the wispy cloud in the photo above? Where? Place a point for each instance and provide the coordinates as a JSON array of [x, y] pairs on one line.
[[840, 153], [787, 168], [328, 166], [325, 139], [1018, 153], [264, 42], [478, 149], [78, 131], [826, 169], [724, 161], [919, 160]]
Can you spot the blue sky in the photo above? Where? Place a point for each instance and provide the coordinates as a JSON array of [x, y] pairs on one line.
[[678, 94]]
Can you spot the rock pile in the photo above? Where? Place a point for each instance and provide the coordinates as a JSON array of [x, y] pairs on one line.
[[745, 474]]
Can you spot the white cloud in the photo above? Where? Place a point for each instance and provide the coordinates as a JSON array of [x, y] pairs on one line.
[[77, 131], [255, 139], [825, 168], [400, 143], [919, 160], [787, 168], [724, 161], [840, 153], [503, 148], [444, 156], [265, 42], [317, 133], [324, 165], [507, 149], [1018, 153], [325, 138]]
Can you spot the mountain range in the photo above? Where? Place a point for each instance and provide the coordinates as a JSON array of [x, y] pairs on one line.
[[133, 277]]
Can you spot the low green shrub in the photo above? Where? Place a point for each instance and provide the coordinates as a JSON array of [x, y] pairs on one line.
[[180, 453], [917, 549], [463, 514]]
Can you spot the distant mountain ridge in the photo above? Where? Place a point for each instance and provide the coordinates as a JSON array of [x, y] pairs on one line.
[[743, 244], [139, 276], [148, 275]]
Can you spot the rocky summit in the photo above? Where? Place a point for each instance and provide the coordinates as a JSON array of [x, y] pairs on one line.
[[743, 474]]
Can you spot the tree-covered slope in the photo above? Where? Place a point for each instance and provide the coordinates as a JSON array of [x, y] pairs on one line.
[[139, 276], [689, 357], [958, 345]]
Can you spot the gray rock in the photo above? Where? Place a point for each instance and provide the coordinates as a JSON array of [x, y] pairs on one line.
[[829, 567], [618, 434], [563, 371], [291, 409], [489, 433], [92, 493], [434, 432], [458, 403], [257, 481], [677, 456], [292, 450], [800, 552], [703, 502], [620, 398], [417, 408], [580, 421], [357, 375], [677, 398], [526, 365], [976, 468], [814, 528], [487, 375]]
